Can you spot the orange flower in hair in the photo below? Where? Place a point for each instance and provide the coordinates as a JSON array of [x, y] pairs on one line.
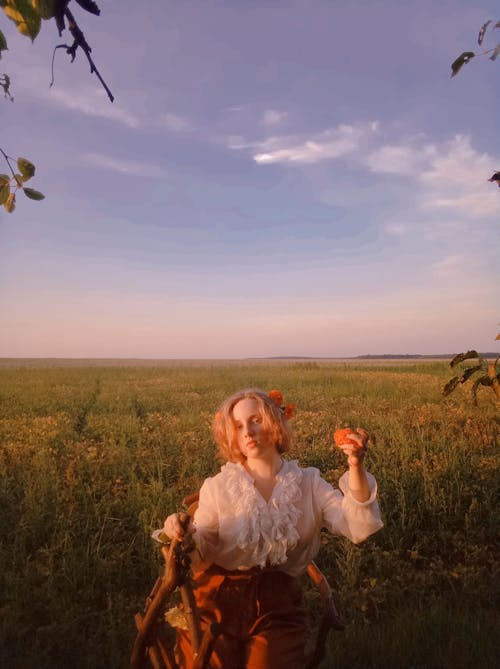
[[289, 411], [277, 397], [342, 436]]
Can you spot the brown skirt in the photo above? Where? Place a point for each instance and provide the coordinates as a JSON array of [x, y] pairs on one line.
[[261, 615]]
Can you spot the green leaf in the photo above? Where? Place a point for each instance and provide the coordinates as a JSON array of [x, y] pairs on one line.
[[4, 179], [469, 372], [481, 381], [26, 18], [46, 8], [451, 385], [33, 194], [457, 64], [26, 168], [463, 356], [10, 203], [90, 6], [4, 192]]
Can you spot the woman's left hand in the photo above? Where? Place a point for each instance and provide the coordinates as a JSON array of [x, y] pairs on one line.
[[354, 446]]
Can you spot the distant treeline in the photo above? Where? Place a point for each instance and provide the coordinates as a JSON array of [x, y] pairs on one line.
[[411, 356]]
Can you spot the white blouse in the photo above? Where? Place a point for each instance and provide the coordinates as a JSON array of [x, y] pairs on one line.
[[237, 529]]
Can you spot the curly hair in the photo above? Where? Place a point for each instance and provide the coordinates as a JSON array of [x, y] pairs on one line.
[[274, 423]]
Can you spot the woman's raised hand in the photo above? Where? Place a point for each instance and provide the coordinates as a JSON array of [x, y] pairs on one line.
[[353, 444]]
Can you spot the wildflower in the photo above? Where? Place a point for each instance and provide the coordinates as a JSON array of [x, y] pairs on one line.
[[276, 396], [342, 436]]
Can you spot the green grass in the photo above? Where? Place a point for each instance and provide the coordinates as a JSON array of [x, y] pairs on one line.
[[93, 457]]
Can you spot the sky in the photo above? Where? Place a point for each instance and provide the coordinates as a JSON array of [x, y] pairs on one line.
[[274, 178]]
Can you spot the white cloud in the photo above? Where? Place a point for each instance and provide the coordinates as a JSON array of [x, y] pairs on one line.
[[456, 179], [273, 117], [399, 159], [92, 102], [124, 167], [176, 123], [449, 178], [330, 144]]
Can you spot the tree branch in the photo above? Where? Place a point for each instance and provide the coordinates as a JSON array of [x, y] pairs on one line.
[[79, 41]]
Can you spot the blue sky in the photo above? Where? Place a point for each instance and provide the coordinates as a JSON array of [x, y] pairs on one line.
[[278, 177]]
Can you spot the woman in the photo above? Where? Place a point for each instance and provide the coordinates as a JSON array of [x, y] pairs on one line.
[[258, 526]]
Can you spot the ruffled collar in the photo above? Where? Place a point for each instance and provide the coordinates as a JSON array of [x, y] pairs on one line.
[[266, 531]]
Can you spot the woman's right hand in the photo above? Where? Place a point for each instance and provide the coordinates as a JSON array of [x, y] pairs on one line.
[[177, 526]]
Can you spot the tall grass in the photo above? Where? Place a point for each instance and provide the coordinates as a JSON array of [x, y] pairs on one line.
[[92, 458]]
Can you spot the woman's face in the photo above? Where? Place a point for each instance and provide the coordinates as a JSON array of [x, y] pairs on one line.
[[252, 437]]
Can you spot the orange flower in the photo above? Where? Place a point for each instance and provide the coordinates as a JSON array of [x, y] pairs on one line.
[[289, 411], [276, 396], [342, 436]]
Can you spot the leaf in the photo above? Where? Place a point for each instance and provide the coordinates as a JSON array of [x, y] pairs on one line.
[[469, 372], [27, 20], [457, 64], [495, 53], [463, 356], [10, 203], [3, 44], [33, 194], [4, 192], [481, 381], [46, 8], [5, 84], [90, 6], [4, 179], [60, 7], [26, 168], [451, 385], [482, 31]]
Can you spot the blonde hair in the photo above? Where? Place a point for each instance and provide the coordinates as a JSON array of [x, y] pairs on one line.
[[273, 421]]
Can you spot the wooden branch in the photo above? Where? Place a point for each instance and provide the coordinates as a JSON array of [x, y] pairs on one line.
[[329, 605], [207, 645], [162, 589], [150, 640], [331, 618], [191, 613], [79, 41]]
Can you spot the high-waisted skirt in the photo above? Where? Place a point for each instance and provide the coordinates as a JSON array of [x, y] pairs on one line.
[[262, 619]]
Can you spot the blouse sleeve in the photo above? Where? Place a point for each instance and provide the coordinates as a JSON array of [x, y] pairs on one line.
[[206, 523], [343, 514]]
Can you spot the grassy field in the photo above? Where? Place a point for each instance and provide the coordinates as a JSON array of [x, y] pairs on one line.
[[93, 457]]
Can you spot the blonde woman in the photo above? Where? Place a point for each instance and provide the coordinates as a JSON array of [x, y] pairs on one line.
[[258, 526]]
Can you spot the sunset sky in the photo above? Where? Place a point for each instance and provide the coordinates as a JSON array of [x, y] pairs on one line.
[[275, 177]]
